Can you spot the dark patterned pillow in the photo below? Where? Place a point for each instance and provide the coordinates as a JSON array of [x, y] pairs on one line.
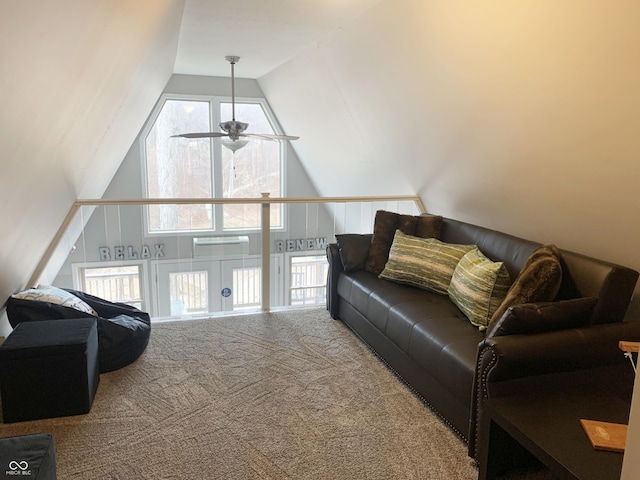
[[528, 318], [538, 281], [384, 229]]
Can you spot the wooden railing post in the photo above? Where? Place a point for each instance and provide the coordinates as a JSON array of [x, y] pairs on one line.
[[266, 253]]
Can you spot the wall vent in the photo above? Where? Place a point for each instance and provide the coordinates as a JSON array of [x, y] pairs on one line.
[[214, 246]]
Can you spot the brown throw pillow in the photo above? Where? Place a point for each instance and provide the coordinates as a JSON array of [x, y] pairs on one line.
[[529, 318], [384, 229], [538, 281]]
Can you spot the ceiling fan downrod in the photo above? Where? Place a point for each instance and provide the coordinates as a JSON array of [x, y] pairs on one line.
[[232, 59]]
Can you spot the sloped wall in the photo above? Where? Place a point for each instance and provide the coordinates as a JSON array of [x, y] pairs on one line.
[[522, 116], [518, 115], [79, 78]]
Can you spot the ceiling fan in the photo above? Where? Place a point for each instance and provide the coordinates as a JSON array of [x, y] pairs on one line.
[[232, 128]]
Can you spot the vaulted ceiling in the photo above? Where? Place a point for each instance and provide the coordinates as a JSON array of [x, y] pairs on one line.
[[265, 34]]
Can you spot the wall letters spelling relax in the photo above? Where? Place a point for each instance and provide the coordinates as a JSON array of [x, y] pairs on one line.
[[128, 253]]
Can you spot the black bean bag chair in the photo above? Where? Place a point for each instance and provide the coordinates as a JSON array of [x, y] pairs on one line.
[[123, 330]]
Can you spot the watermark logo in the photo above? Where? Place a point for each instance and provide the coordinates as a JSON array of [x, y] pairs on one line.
[[17, 468]]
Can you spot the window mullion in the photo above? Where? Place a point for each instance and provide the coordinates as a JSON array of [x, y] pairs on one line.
[[216, 167]]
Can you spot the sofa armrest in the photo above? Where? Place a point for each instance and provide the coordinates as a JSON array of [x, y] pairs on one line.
[[335, 268], [347, 254], [511, 363], [514, 356]]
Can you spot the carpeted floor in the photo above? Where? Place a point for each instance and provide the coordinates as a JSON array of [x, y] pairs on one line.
[[288, 395]]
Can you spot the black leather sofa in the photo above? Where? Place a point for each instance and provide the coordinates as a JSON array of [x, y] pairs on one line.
[[449, 362]]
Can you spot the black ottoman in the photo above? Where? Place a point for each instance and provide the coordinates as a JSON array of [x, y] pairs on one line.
[[49, 369], [29, 456]]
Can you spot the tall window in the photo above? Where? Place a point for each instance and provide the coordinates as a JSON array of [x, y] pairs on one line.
[[253, 169], [203, 168], [177, 169]]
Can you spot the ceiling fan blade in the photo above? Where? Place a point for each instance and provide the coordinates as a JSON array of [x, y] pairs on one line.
[[266, 136], [201, 135], [233, 128]]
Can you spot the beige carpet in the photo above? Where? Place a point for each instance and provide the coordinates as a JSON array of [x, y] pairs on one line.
[[289, 395]]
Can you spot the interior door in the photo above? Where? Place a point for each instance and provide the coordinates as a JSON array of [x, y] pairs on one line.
[[241, 282]]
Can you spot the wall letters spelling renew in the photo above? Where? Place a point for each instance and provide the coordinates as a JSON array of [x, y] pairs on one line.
[[301, 244]]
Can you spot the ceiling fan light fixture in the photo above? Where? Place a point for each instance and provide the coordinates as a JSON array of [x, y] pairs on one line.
[[233, 145]]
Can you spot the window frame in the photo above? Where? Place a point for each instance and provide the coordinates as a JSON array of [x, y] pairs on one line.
[[214, 102], [78, 278], [288, 276]]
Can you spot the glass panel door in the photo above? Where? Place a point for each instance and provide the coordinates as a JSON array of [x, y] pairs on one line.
[[187, 288], [242, 283]]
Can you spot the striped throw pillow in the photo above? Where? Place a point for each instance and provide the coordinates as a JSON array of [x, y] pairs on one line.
[[426, 263], [478, 287]]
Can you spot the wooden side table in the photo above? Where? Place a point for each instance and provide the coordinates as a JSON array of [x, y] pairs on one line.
[[547, 425]]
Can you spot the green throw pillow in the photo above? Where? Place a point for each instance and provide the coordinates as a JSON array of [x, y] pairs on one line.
[[426, 263], [478, 287]]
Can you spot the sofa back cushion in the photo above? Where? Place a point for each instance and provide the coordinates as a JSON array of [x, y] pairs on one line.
[[498, 246], [612, 284]]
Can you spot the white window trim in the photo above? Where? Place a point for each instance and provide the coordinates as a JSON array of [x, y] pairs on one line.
[[287, 266], [214, 108], [144, 276]]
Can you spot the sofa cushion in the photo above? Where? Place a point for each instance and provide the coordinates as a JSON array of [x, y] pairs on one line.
[[458, 365], [446, 346], [55, 296], [478, 287], [426, 263], [389, 295], [354, 250], [528, 318], [538, 281], [403, 317], [384, 229]]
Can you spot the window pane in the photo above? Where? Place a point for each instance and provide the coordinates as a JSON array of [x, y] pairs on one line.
[[189, 293], [116, 284], [179, 168], [247, 288], [253, 169], [308, 276]]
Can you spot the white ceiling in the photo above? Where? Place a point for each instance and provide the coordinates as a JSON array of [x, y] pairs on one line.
[[264, 33]]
